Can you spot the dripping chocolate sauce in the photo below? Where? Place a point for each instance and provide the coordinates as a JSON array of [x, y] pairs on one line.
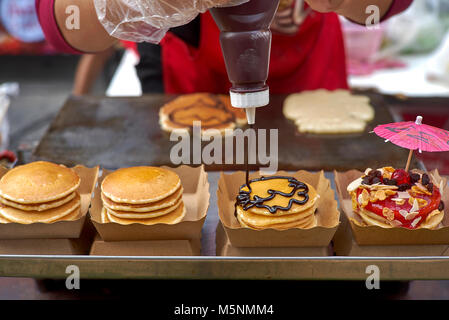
[[244, 197], [251, 126]]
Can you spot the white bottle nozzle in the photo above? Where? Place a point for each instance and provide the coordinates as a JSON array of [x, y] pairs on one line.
[[418, 120], [250, 101], [251, 115]]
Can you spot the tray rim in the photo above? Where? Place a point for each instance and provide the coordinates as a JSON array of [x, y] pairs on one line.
[[226, 268]]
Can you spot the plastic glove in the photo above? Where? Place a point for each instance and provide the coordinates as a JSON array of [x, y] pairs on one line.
[[149, 20]]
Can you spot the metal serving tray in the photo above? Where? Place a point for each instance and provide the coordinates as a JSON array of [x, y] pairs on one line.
[[66, 142], [209, 266]]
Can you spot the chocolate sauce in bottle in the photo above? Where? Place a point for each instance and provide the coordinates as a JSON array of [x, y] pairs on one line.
[[245, 39]]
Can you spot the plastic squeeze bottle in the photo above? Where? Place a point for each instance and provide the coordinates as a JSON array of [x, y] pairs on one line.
[[245, 38]]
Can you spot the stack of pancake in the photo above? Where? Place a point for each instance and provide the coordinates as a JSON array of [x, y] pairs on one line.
[[294, 208], [39, 192], [145, 195]]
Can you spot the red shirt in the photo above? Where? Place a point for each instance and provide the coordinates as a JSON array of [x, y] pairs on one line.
[[45, 11], [313, 58]]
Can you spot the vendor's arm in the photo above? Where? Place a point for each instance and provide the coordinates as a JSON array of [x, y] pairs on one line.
[[355, 10], [90, 37]]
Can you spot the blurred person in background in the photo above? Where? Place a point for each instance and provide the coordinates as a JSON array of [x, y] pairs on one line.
[[307, 49]]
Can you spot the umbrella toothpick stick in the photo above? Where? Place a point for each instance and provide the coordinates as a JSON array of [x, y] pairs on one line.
[[409, 160], [410, 155]]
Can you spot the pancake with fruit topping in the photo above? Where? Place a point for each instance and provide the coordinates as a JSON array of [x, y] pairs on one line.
[[395, 198]]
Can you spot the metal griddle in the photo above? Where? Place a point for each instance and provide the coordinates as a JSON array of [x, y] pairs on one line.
[[121, 132]]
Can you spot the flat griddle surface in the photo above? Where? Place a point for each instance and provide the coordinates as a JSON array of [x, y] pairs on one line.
[[121, 132]]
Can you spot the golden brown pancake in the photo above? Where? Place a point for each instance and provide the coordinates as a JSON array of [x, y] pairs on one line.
[[143, 215], [433, 220], [261, 221], [38, 207], [52, 215], [171, 218], [214, 112], [271, 204], [3, 220], [140, 185], [38, 182], [371, 219], [382, 205], [260, 188], [144, 208], [307, 223]]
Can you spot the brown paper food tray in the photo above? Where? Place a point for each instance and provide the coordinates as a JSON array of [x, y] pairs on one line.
[[79, 246], [61, 229], [151, 248], [225, 249], [345, 245], [374, 235], [320, 236], [196, 199]]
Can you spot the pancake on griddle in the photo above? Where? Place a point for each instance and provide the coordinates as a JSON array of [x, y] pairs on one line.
[[213, 111], [278, 203], [328, 112], [145, 195]]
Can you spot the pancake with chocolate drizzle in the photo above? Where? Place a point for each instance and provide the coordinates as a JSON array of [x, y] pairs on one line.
[[244, 197], [276, 202], [213, 111]]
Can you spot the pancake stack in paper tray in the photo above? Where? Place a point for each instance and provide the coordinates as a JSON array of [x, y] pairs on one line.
[[39, 192], [43, 209], [145, 195]]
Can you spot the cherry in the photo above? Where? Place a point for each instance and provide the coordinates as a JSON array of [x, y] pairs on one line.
[[401, 176]]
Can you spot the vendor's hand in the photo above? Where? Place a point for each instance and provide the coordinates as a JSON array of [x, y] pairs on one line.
[[326, 5], [355, 10], [149, 20], [289, 17]]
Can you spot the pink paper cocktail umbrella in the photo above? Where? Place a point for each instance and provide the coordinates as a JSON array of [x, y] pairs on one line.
[[414, 136]]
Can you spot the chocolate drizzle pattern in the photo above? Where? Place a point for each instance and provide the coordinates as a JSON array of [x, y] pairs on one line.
[[244, 197], [217, 104]]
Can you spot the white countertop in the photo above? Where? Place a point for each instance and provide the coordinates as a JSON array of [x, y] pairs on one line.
[[411, 81]]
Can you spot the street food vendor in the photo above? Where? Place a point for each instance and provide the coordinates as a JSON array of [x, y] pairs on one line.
[[307, 46]]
